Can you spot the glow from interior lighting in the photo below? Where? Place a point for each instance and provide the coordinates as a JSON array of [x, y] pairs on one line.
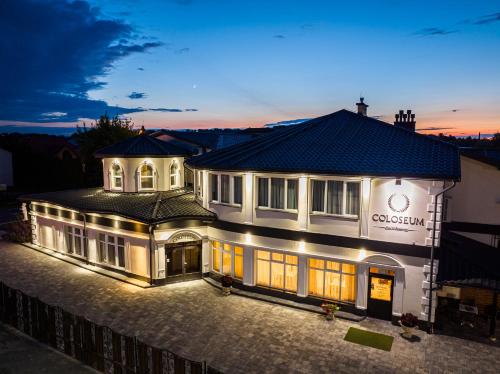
[[248, 238], [302, 246]]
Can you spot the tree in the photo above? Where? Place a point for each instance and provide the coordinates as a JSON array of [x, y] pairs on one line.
[[105, 131]]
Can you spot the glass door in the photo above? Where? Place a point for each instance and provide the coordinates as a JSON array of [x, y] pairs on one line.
[[192, 259], [183, 261], [380, 294], [175, 262]]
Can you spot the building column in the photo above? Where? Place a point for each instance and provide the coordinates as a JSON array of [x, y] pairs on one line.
[[397, 297], [205, 256], [248, 206], [362, 286], [205, 189], [248, 266], [160, 261], [365, 207], [303, 208], [302, 276]]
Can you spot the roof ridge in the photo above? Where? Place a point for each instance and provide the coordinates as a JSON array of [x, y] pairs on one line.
[[132, 143]]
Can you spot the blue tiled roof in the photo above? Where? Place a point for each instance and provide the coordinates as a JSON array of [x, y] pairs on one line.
[[211, 139], [143, 145], [341, 143]]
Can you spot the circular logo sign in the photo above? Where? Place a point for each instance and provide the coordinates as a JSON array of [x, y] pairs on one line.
[[398, 202]]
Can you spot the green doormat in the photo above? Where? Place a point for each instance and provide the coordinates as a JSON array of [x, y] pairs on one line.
[[370, 339]]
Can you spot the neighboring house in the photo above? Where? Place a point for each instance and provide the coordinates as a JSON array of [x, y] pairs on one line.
[[6, 172], [338, 208]]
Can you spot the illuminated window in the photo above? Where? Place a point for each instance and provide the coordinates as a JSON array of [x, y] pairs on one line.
[[75, 241], [174, 174], [111, 250], [277, 193], [227, 259], [146, 177], [332, 280], [277, 270], [335, 197], [116, 177], [199, 183], [224, 188]]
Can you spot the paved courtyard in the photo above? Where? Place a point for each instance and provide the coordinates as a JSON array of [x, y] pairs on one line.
[[234, 334]]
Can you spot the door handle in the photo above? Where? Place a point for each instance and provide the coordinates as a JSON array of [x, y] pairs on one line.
[[185, 263]]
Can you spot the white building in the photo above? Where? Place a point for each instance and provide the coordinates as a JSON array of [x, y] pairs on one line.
[[339, 208]]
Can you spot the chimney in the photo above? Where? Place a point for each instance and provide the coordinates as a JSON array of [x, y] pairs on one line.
[[142, 131], [362, 106], [405, 120]]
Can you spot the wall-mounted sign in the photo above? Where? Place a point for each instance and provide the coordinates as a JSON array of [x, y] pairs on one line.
[[398, 204]]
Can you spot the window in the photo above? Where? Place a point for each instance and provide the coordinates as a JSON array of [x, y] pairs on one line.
[[146, 177], [237, 189], [277, 270], [278, 193], [230, 191], [335, 197], [332, 280], [116, 177], [199, 183], [227, 259], [75, 241], [224, 188], [111, 250], [214, 186], [174, 174]]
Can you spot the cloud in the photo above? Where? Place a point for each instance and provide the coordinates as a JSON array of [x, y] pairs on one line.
[[434, 31], [165, 110], [182, 51], [290, 122], [190, 110], [307, 26], [137, 95], [54, 53], [490, 18], [435, 128], [279, 36], [140, 69]]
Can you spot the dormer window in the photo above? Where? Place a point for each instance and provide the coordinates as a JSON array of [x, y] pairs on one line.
[[146, 177], [174, 174], [116, 177]]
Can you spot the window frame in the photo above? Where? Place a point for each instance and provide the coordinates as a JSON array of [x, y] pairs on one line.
[[115, 243], [70, 233], [269, 193], [270, 262], [231, 191], [113, 177], [324, 212], [141, 177], [175, 175], [221, 247], [341, 274]]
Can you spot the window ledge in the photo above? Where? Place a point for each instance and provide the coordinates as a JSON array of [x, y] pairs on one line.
[[226, 204], [338, 216], [265, 208]]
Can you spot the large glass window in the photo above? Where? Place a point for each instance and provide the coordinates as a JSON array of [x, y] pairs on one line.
[[335, 197], [111, 250], [75, 241], [277, 270], [332, 280], [147, 177], [199, 183], [277, 193], [116, 177], [227, 259]]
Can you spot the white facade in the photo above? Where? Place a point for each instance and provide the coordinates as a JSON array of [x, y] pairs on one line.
[[167, 173]]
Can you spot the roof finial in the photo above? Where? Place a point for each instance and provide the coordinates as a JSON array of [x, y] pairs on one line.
[[142, 131]]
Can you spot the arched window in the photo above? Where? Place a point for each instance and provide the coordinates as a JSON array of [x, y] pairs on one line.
[[116, 177], [146, 177], [174, 174]]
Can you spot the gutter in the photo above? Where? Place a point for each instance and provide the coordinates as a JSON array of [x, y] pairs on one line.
[[430, 325]]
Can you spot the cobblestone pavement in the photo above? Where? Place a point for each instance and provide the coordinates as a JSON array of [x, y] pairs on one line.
[[234, 334]]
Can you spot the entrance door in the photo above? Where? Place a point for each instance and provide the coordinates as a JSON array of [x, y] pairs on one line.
[[183, 261], [380, 294]]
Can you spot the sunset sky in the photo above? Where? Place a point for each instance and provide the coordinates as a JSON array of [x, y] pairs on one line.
[[218, 63]]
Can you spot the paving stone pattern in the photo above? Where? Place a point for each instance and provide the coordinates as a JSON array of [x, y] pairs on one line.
[[234, 334]]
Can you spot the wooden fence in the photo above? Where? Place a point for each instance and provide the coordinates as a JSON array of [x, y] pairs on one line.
[[97, 346]]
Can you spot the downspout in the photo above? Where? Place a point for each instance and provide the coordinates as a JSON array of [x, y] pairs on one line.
[[151, 254], [429, 314]]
